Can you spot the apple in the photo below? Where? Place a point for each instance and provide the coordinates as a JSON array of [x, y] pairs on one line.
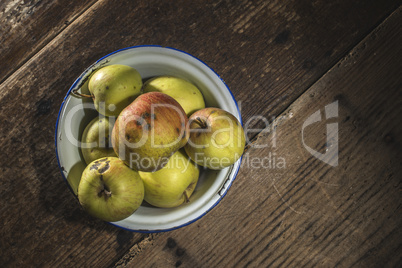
[[216, 140], [149, 131], [172, 185], [186, 93], [110, 190], [96, 139], [113, 87], [74, 175]]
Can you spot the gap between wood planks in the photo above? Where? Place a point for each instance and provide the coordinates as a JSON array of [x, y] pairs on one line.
[[78, 16], [147, 239]]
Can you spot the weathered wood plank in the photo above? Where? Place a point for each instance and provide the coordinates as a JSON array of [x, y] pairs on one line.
[[27, 26], [270, 50], [42, 222], [310, 213]]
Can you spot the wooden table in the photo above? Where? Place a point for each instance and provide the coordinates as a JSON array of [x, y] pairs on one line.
[[283, 61]]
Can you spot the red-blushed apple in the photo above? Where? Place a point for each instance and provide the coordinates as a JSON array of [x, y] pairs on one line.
[[110, 190], [216, 140], [172, 185], [149, 131]]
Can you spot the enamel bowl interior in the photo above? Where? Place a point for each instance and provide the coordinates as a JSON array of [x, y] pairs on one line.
[[75, 113]]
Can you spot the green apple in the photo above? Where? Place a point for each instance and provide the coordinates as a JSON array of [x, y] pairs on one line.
[[74, 175], [216, 140], [149, 131], [96, 139], [110, 190], [172, 185], [186, 93], [113, 87]]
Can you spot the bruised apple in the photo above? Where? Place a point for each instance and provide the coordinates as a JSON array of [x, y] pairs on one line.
[[149, 131], [216, 140], [110, 190], [172, 185]]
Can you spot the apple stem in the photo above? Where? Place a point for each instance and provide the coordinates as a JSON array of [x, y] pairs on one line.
[[76, 93], [108, 193], [186, 197], [200, 122]]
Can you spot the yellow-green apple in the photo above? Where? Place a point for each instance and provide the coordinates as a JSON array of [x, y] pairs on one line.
[[149, 131], [186, 93], [114, 87], [172, 185], [216, 140], [110, 190], [95, 141]]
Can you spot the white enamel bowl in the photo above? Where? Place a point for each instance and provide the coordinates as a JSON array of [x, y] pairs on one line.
[[150, 61]]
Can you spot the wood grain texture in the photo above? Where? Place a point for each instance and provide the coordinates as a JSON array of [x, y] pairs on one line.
[[27, 26], [308, 213], [267, 52]]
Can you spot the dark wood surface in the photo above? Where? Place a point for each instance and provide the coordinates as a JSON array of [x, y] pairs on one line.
[[283, 60]]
